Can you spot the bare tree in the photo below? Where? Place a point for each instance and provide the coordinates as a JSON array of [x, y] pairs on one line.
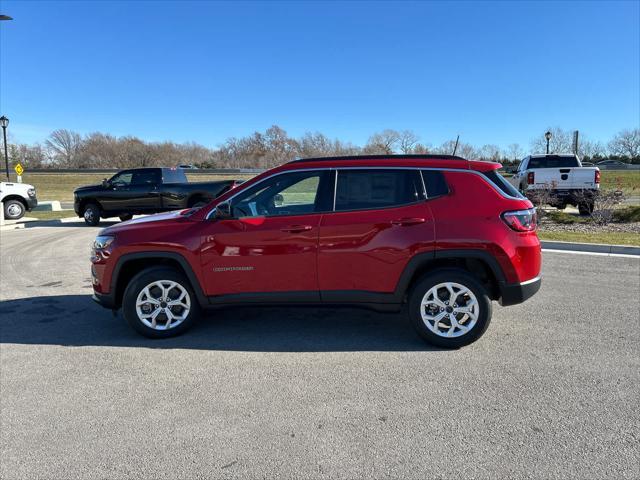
[[626, 143], [382, 142], [561, 142], [490, 152], [421, 148], [407, 141], [589, 149], [514, 152], [464, 150], [65, 146], [30, 156]]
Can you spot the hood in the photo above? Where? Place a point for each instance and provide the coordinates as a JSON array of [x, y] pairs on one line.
[[86, 188], [149, 220], [9, 187]]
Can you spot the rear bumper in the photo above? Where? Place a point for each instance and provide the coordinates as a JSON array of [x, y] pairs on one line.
[[562, 196], [514, 293]]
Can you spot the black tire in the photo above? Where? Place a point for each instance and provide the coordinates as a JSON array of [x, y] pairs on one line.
[[461, 277], [125, 217], [586, 208], [138, 284], [91, 214], [14, 209]]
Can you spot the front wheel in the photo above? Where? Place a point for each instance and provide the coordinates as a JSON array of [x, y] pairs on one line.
[[159, 302], [14, 210], [125, 217], [91, 214], [450, 308]]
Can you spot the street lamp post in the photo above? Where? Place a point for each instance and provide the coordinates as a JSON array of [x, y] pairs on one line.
[[548, 136], [4, 122]]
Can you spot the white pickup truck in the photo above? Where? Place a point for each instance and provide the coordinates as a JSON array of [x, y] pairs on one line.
[[559, 180], [17, 198]]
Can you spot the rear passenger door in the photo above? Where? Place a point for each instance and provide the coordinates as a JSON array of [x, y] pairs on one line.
[[144, 195], [379, 221]]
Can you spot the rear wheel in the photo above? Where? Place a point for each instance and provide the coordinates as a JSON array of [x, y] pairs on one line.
[[91, 214], [450, 308], [14, 209], [159, 302], [126, 217], [586, 208]]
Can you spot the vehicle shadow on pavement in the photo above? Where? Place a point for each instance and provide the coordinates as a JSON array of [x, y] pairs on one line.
[[75, 320], [58, 223]]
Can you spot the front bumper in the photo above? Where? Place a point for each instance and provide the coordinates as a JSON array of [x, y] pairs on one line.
[[104, 300], [514, 293], [32, 202]]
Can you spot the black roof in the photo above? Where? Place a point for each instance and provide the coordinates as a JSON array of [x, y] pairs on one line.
[[382, 157]]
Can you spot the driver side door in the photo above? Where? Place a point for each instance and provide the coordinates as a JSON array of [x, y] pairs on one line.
[[113, 197], [267, 251]]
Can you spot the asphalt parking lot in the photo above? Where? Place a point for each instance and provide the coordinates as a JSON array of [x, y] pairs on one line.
[[551, 391]]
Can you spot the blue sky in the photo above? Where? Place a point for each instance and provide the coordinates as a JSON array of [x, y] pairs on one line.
[[494, 72]]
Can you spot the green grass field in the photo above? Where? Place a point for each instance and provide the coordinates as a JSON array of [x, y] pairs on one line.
[[609, 238]]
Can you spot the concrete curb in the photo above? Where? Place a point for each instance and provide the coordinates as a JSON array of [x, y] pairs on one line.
[[591, 247]]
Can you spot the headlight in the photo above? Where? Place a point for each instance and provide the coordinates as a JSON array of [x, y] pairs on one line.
[[98, 247], [31, 192], [102, 241]]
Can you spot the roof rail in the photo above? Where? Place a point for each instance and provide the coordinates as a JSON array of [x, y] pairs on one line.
[[381, 157]]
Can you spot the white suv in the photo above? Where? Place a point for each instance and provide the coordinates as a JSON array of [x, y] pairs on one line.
[[17, 198]]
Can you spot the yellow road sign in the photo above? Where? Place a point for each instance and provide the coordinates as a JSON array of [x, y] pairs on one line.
[[19, 170]]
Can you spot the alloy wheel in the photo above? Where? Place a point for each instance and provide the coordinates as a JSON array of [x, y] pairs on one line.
[[449, 309], [163, 304]]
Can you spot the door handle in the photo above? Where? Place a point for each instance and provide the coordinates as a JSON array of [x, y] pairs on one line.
[[406, 222], [297, 228]]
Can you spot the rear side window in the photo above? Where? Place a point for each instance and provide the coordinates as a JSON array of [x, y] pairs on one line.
[[377, 188], [435, 183], [146, 177], [500, 182], [173, 175], [555, 161]]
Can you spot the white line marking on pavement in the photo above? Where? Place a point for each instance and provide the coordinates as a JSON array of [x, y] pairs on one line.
[[600, 254]]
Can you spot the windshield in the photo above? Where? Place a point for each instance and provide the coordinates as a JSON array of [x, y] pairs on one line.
[[555, 161]]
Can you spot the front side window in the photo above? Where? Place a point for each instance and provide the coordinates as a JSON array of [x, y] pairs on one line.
[[293, 193], [122, 179], [377, 188]]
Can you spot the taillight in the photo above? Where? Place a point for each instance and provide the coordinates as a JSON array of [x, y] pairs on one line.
[[521, 220], [597, 177], [531, 178]]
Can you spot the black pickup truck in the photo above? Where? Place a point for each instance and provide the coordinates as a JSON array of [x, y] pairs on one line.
[[144, 190]]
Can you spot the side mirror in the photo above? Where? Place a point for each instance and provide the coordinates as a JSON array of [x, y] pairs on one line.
[[105, 183], [278, 199], [223, 211]]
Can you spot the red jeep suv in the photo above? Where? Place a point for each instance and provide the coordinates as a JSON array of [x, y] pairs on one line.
[[441, 234]]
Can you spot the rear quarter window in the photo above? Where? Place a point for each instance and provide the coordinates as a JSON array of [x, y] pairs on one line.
[[502, 184]]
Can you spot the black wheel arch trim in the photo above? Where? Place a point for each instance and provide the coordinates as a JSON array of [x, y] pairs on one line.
[[425, 258], [163, 255]]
